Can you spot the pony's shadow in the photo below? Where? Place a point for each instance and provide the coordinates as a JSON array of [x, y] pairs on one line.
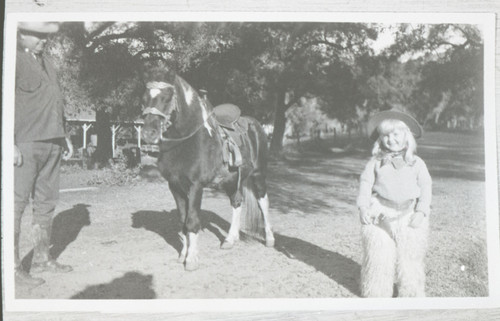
[[65, 229], [131, 286], [167, 225], [337, 267]]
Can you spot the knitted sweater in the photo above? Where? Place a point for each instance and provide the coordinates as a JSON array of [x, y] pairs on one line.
[[397, 185]]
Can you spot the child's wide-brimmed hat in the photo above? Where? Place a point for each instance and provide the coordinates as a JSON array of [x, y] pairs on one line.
[[376, 119], [39, 26]]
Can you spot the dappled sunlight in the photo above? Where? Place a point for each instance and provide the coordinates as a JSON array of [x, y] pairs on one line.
[[316, 181], [308, 189], [454, 155], [126, 243]]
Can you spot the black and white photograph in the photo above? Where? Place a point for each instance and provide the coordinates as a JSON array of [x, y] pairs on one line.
[[190, 162]]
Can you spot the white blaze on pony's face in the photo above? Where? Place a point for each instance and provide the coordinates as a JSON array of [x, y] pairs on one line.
[[158, 107], [154, 92]]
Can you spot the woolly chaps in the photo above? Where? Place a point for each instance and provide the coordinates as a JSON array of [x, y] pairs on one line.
[[393, 253]]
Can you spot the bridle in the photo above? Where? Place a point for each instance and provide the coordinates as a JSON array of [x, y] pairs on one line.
[[166, 122]]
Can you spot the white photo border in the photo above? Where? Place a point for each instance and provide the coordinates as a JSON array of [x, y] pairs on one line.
[[485, 20]]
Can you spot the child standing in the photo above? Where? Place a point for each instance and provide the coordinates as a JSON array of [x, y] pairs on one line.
[[394, 206]]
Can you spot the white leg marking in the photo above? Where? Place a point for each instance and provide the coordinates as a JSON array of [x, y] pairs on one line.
[[264, 207], [234, 230], [182, 255], [192, 253]]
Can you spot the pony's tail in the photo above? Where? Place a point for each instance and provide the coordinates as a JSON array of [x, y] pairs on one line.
[[254, 221]]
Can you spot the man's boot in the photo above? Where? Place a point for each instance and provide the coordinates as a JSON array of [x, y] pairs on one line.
[[22, 277], [42, 261]]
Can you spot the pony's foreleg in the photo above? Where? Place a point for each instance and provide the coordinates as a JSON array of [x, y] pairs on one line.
[[234, 231], [180, 200], [193, 226], [264, 207], [184, 242]]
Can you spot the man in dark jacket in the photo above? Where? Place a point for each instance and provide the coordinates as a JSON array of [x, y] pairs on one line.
[[40, 139]]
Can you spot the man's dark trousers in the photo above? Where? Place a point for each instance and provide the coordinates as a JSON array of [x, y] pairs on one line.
[[39, 177]]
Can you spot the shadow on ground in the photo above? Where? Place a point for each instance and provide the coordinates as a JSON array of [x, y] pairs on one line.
[[167, 225], [131, 286], [337, 267], [65, 229]]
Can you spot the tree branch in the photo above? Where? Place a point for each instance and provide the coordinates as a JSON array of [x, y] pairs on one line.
[[325, 41], [467, 36], [100, 40], [447, 43], [154, 50], [99, 30]]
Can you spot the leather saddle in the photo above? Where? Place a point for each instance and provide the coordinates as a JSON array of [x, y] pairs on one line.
[[232, 128], [227, 115]]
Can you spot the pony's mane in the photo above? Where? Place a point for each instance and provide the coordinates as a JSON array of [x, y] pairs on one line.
[[189, 96], [184, 93]]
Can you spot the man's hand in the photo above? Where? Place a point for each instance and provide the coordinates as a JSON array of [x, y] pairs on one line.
[[416, 219], [68, 152], [18, 157]]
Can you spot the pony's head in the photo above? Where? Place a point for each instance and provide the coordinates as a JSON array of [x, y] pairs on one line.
[[159, 102]]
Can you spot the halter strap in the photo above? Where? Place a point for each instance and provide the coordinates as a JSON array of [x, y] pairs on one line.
[[154, 111], [158, 85]]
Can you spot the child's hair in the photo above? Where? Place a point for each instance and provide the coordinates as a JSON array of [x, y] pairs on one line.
[[387, 126]]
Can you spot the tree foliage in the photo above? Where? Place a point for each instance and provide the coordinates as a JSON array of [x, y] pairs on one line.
[[268, 67], [448, 60]]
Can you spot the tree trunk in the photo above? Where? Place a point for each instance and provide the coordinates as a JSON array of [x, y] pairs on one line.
[[103, 151], [279, 124]]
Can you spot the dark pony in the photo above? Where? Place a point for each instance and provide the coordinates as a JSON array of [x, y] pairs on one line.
[[191, 158]]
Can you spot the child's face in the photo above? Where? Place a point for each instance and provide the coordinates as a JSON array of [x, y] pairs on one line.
[[395, 141]]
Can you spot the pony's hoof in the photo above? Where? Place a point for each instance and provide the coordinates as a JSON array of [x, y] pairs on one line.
[[227, 245], [181, 259], [191, 266], [270, 243]]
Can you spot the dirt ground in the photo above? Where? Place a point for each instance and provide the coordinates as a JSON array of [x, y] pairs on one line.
[[122, 240]]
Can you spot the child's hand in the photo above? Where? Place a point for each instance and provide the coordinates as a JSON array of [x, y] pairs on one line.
[[364, 217], [416, 219]]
